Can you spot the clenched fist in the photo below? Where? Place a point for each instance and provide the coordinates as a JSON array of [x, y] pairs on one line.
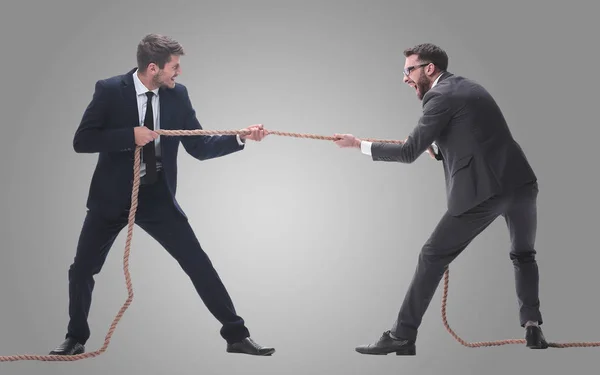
[[143, 135], [257, 133], [346, 140]]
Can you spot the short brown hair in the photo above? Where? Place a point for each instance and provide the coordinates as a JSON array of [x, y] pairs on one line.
[[158, 49], [431, 53]]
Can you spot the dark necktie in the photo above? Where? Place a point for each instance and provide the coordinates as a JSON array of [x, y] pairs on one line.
[[149, 150]]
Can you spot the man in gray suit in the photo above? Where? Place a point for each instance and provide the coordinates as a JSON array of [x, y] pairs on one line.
[[486, 174]]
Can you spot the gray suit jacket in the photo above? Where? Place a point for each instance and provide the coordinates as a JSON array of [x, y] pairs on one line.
[[479, 154]]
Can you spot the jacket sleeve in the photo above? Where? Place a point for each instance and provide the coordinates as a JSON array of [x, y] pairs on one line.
[[203, 147], [92, 135], [437, 112]]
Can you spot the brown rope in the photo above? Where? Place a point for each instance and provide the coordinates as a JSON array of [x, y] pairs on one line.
[[113, 326], [499, 342], [131, 222], [270, 132]]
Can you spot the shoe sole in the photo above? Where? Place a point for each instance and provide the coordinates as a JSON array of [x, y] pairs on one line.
[[407, 351], [267, 354], [76, 352]]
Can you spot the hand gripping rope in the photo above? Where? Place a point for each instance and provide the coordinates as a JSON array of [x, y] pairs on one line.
[[132, 211]]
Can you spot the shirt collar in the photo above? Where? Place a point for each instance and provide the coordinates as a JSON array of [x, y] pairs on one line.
[[140, 89], [436, 80]]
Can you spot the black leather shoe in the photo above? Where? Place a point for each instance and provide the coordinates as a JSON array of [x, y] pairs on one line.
[[69, 347], [535, 338], [387, 344], [248, 346]]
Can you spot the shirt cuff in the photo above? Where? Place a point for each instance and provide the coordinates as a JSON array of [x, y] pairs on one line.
[[239, 140], [365, 147]]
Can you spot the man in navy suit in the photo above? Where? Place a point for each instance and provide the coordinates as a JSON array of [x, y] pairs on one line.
[[123, 113]]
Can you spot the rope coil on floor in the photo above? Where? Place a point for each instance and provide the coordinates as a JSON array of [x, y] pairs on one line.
[[131, 222]]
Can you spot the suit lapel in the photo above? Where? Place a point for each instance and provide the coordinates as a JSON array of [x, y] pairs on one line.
[[165, 108], [130, 98], [165, 114]]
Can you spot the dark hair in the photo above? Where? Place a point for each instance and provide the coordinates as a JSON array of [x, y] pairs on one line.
[[431, 53], [158, 49]]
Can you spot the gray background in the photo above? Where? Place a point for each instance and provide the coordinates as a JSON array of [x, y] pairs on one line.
[[316, 244]]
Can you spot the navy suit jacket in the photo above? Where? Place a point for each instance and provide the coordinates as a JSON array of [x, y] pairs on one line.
[[480, 156], [107, 127]]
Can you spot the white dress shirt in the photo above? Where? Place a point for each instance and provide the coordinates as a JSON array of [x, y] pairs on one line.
[[365, 146], [142, 102]]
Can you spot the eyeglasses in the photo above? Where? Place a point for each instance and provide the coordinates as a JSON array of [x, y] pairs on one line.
[[409, 69]]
